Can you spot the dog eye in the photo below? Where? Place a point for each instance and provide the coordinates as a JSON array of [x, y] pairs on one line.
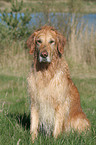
[[52, 42], [38, 41]]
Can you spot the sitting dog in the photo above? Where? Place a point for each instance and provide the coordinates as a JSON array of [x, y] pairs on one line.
[[55, 101]]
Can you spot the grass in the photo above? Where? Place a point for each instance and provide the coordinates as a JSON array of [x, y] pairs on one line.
[[15, 114]]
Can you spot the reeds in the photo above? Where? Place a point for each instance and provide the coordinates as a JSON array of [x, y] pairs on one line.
[[81, 46], [14, 59]]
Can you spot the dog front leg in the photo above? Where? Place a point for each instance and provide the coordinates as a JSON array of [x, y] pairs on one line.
[[34, 122], [58, 122]]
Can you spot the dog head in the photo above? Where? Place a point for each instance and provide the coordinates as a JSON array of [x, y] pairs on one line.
[[46, 42]]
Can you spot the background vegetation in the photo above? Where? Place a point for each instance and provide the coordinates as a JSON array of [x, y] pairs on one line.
[[15, 62], [88, 6]]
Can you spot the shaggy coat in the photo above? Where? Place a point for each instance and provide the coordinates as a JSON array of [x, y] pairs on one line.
[[55, 101]]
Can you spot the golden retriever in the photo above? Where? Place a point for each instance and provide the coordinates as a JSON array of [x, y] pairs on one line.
[[55, 101]]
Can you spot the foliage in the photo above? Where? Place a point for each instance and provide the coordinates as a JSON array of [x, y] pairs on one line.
[[15, 21], [16, 6]]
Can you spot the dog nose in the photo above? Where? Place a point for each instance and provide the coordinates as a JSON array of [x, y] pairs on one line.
[[44, 54]]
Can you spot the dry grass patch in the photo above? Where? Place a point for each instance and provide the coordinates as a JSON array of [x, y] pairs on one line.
[[81, 46], [15, 59]]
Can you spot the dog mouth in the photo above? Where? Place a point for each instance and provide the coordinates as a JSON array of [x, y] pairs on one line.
[[45, 60]]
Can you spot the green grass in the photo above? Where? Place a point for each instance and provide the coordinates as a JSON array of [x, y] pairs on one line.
[[15, 114]]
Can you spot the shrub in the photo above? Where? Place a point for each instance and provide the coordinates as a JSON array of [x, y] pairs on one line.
[[15, 21]]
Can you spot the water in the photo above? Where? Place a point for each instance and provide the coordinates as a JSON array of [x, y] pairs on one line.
[[38, 19], [88, 19]]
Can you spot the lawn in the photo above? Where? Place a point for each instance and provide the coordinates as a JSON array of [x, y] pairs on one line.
[[15, 113]]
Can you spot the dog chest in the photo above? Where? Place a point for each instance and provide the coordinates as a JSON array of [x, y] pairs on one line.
[[47, 116], [54, 91]]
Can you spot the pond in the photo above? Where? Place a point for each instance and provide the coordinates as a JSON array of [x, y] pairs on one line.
[[40, 18]]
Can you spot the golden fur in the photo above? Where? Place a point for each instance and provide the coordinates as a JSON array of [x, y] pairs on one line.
[[55, 100]]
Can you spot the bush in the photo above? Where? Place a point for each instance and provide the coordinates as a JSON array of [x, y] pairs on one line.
[[15, 21]]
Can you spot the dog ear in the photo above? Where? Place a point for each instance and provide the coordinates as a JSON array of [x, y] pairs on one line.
[[61, 41], [31, 43]]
